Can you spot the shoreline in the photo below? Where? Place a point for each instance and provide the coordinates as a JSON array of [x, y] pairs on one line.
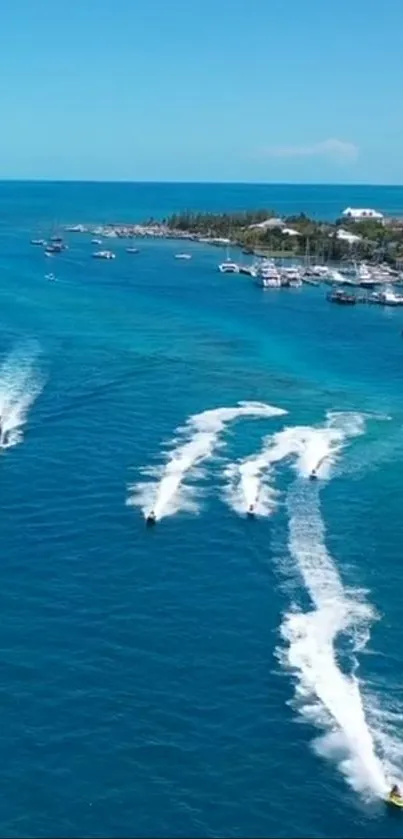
[[263, 233]]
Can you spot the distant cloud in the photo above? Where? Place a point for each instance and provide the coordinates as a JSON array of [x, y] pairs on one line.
[[339, 150]]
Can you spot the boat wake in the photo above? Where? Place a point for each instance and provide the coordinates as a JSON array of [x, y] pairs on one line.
[[321, 648], [21, 382], [196, 442], [316, 449], [250, 482]]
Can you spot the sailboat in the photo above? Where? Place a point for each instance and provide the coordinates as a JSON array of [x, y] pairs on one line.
[[228, 267], [56, 243]]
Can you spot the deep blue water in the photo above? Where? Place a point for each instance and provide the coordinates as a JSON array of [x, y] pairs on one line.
[[214, 675]]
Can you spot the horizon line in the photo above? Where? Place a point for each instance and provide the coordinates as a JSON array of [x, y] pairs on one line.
[[197, 183]]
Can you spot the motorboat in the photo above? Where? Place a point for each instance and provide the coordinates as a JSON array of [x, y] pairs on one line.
[[132, 250], [183, 256], [291, 277], [56, 247], [388, 297], [292, 272], [342, 297], [228, 267], [104, 255], [337, 277], [268, 274], [364, 277], [319, 270]]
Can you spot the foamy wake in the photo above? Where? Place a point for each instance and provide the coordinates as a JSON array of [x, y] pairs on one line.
[[328, 694], [20, 383], [317, 447], [196, 441], [251, 482]]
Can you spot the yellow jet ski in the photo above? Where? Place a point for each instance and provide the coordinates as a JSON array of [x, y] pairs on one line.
[[395, 798]]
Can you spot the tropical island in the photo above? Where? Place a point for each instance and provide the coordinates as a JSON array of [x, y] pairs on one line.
[[262, 232]]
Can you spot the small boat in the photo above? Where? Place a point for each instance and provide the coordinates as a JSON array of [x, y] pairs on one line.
[[228, 267], [132, 250], [56, 247], [388, 297], [104, 255], [96, 241], [319, 271], [337, 277], [40, 242], [342, 297], [183, 256], [51, 277]]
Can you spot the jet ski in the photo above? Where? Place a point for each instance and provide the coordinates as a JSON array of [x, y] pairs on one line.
[[151, 520], [395, 798], [251, 511], [314, 475]]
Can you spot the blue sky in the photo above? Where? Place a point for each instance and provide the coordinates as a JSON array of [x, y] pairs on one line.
[[211, 90]]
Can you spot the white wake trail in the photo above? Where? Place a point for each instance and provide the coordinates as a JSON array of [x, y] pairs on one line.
[[198, 440], [250, 482], [21, 382], [328, 694]]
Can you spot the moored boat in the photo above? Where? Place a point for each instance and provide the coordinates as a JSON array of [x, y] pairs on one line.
[[104, 255], [342, 297], [228, 267]]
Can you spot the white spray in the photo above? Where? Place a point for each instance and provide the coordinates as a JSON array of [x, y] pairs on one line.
[[250, 481], [20, 384], [325, 695], [201, 437]]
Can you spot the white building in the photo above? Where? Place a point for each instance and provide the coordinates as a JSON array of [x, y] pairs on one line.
[[345, 236], [362, 215], [268, 224], [289, 231]]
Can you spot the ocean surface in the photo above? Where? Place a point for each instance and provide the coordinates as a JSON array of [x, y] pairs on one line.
[[216, 675]]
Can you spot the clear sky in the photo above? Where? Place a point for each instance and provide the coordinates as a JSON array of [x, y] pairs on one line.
[[202, 90]]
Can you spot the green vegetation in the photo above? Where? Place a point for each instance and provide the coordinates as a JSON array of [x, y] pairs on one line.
[[319, 239]]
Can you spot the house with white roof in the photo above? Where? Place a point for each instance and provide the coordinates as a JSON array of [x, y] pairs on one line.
[[289, 231], [362, 215], [268, 224], [345, 236]]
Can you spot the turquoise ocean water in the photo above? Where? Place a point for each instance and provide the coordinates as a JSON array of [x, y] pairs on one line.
[[214, 675]]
